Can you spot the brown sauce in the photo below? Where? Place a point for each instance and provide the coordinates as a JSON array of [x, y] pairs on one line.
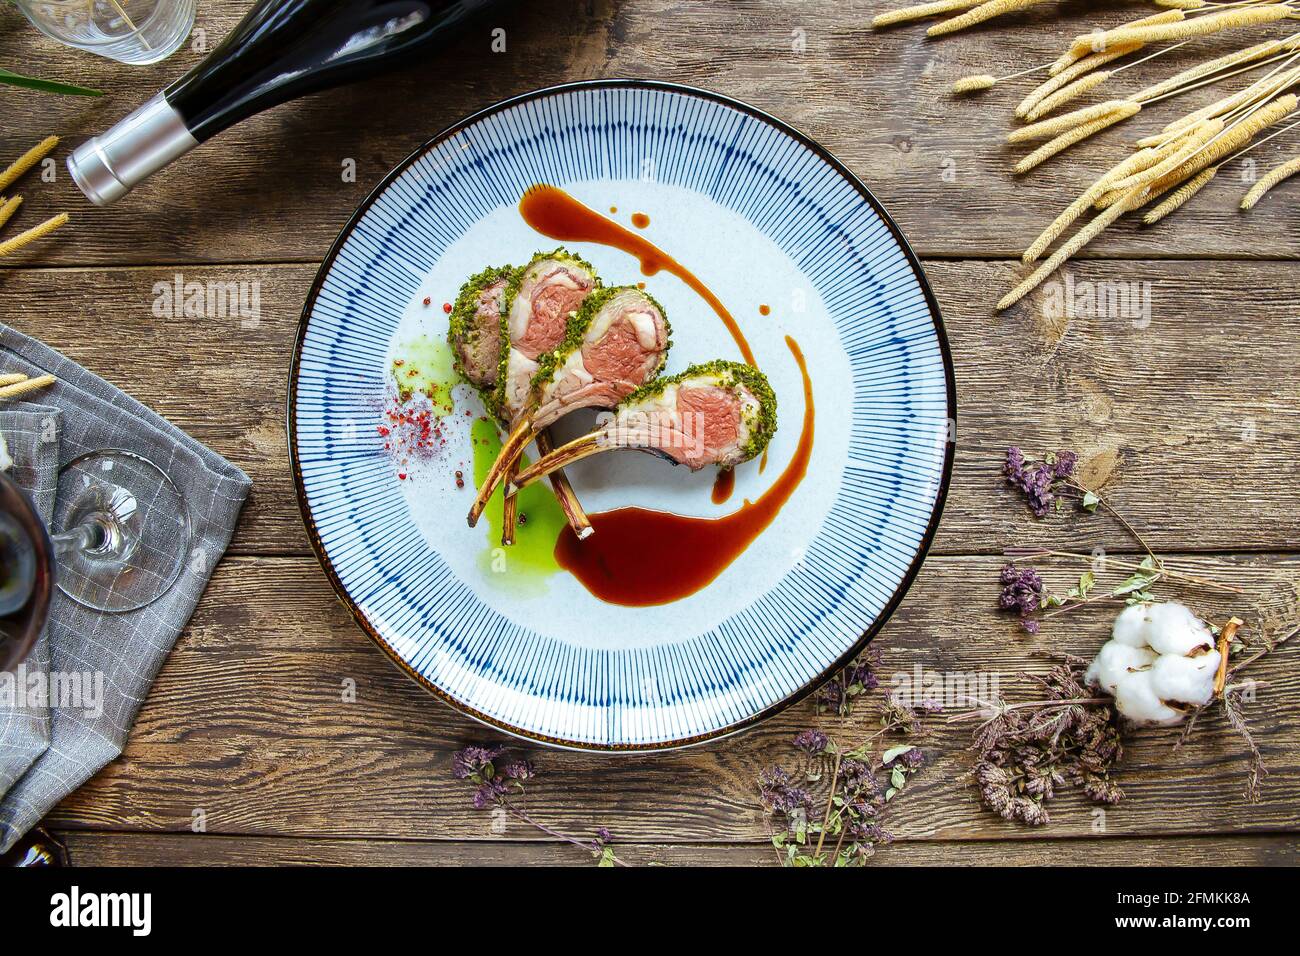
[[764, 310], [640, 220], [724, 485], [638, 557], [554, 213]]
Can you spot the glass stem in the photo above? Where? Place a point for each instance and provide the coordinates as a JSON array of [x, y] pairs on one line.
[[91, 535]]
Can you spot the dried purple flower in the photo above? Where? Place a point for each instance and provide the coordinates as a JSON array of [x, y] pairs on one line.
[[911, 759], [1065, 463], [1022, 591], [519, 770], [490, 792], [836, 696], [1035, 479], [779, 793], [473, 762], [811, 742]]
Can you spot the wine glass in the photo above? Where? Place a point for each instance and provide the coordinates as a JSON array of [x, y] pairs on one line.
[[119, 537], [129, 31], [121, 531]]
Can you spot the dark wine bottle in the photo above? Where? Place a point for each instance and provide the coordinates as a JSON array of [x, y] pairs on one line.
[[17, 566], [281, 50]]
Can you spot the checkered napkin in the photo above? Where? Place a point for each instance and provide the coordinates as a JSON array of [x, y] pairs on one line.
[[46, 754]]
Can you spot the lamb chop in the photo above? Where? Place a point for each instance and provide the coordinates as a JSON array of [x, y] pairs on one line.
[[475, 336], [539, 303], [616, 343], [720, 413]]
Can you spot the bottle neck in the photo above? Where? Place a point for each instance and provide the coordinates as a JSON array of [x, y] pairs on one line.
[[106, 167]]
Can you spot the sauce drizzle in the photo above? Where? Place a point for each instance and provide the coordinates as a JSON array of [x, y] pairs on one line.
[[724, 485], [639, 558], [554, 213]]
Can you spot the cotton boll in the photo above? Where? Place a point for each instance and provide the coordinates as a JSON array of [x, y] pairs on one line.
[[1175, 629], [1137, 700], [1114, 662], [1158, 654], [1132, 625], [1186, 679]]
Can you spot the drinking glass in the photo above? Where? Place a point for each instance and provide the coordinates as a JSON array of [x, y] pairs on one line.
[[118, 541], [129, 31]]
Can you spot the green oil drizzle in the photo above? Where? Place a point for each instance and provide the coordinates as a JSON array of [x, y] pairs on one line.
[[424, 364], [531, 559]]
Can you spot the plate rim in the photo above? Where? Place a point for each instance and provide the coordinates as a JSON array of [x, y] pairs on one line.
[[923, 546]]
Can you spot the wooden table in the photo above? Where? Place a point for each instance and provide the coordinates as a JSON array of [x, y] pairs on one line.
[[248, 723]]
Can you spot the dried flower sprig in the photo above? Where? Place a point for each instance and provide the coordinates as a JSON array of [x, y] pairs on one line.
[[853, 810], [838, 695], [501, 786], [1026, 752]]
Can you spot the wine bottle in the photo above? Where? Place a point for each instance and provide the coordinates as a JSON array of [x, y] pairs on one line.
[[281, 50], [17, 566]]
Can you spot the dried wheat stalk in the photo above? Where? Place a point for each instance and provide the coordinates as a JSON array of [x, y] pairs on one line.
[[1271, 179], [1203, 70], [1064, 95], [1076, 242], [26, 161], [1230, 140], [8, 392], [1076, 135], [1180, 196], [1188, 147], [1229, 104], [1137, 161], [1200, 26], [921, 11], [32, 234], [1083, 66], [8, 207], [985, 11], [970, 84], [1070, 55], [1046, 129]]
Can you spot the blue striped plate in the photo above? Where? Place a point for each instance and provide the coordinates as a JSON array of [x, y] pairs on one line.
[[797, 249]]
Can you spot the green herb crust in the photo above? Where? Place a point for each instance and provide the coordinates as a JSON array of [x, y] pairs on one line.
[[462, 329], [559, 254], [579, 323], [761, 422]]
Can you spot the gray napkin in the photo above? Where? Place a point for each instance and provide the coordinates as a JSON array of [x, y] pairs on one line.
[[125, 650]]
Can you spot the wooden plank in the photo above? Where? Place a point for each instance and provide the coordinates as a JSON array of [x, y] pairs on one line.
[[91, 848], [249, 723], [1180, 396], [272, 189]]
